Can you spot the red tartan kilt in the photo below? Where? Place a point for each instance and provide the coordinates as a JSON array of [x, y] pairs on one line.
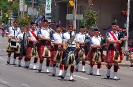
[[54, 51], [41, 49], [29, 50], [110, 55], [93, 50]]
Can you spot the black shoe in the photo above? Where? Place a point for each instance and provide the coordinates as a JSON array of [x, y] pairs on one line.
[[108, 77], [53, 74], [91, 74], [39, 70], [76, 70], [62, 77], [84, 71], [14, 64], [71, 80], [8, 62], [27, 67], [59, 76], [19, 65]]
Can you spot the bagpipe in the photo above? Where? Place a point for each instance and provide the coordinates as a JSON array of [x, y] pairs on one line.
[[13, 46]]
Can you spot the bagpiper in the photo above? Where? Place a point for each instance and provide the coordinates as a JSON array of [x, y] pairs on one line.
[[82, 51], [32, 45], [57, 52], [95, 54], [12, 33], [114, 53], [45, 46], [69, 45], [22, 39]]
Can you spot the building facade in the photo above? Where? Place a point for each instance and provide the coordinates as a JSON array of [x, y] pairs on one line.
[[108, 10]]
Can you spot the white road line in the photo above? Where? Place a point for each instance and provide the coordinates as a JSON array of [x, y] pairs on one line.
[[78, 76], [1, 58], [4, 49], [3, 81], [26, 85]]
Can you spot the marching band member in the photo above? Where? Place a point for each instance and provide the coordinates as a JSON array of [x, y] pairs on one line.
[[95, 54], [57, 50], [12, 34], [81, 44], [114, 53], [32, 42], [22, 39], [70, 51], [45, 46]]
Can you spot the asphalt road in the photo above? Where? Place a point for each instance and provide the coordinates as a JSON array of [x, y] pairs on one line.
[[14, 76]]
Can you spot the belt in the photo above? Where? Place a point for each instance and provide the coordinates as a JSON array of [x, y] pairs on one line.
[[72, 45]]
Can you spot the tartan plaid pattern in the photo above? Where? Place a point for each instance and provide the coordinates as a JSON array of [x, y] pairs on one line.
[[111, 54], [93, 54], [55, 54], [41, 50]]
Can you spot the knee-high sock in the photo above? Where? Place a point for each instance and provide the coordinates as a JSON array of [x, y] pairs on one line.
[[47, 62], [116, 68], [72, 69]]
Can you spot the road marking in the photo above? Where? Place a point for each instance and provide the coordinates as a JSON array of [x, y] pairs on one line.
[[4, 49], [1, 58], [26, 85], [78, 76], [3, 81]]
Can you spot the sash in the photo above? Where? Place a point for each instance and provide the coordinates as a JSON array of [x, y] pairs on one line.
[[33, 34], [114, 38]]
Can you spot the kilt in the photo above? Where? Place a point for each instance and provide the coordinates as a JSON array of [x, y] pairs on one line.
[[114, 55], [57, 54], [30, 51], [69, 56], [86, 49], [96, 55], [43, 47]]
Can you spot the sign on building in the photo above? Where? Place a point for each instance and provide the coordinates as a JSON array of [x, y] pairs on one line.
[[71, 17], [48, 6]]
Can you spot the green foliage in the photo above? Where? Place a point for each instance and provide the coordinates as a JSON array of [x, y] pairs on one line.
[[24, 21], [91, 18]]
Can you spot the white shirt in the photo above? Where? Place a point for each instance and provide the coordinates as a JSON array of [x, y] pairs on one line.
[[30, 35], [57, 37], [11, 30], [44, 32], [20, 37], [95, 40], [109, 36], [66, 37], [80, 37]]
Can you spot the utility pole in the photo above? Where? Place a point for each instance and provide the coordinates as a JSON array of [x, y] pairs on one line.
[[89, 4], [75, 13], [127, 24], [32, 8]]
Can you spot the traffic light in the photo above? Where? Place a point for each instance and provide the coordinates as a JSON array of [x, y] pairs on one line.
[[6, 15], [10, 0], [71, 2], [124, 13]]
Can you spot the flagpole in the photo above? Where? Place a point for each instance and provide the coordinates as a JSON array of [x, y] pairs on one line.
[[127, 24]]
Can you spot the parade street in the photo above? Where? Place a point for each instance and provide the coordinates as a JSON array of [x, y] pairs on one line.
[[14, 76]]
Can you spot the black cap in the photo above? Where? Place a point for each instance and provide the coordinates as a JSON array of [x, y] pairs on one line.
[[114, 23], [82, 27], [96, 29], [45, 20], [32, 23]]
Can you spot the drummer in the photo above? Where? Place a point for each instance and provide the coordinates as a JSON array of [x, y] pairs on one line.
[[12, 33]]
